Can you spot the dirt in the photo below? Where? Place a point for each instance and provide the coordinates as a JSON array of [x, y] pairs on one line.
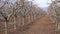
[[42, 25]]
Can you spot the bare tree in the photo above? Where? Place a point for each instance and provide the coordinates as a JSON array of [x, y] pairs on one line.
[[25, 11], [7, 10], [54, 12]]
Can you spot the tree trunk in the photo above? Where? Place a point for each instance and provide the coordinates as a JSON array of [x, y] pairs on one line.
[[14, 23], [6, 27], [56, 25]]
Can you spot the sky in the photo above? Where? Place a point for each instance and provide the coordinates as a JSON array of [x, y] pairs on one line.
[[42, 3]]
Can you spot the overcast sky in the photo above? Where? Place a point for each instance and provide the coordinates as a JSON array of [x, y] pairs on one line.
[[42, 3]]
